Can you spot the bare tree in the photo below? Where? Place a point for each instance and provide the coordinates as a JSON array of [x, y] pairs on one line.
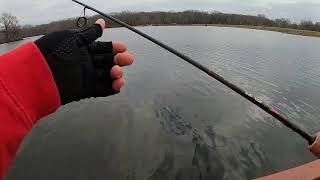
[[307, 25], [10, 25]]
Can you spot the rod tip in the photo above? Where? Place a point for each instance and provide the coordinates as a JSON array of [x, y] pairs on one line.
[[315, 146]]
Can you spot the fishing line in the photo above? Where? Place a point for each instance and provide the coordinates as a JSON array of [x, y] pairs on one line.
[[270, 110]]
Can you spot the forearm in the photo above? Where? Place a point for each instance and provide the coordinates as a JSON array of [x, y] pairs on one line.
[[27, 93]]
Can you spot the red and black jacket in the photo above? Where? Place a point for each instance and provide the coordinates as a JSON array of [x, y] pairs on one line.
[[27, 93]]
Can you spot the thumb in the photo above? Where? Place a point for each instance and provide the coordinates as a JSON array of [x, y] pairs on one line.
[[101, 22], [90, 34]]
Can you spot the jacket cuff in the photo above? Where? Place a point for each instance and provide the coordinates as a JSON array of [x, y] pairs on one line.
[[29, 81]]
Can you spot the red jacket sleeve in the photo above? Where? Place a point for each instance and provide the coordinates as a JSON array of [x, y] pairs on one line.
[[27, 93]]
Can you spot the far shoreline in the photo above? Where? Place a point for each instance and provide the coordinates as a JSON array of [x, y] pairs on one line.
[[291, 31], [298, 32], [11, 41]]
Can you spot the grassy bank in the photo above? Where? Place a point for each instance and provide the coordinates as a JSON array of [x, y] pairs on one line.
[[264, 28], [2, 41], [276, 29]]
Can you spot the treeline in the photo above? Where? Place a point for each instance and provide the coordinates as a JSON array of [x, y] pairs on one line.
[[172, 18], [200, 17]]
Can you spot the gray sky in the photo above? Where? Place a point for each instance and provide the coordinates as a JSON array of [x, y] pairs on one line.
[[44, 11]]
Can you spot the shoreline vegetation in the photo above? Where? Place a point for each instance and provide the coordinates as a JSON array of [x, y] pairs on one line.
[[12, 31], [291, 31], [13, 40], [298, 32]]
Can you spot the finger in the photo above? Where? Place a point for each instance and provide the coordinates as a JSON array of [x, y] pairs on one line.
[[123, 59], [116, 72], [118, 47], [99, 47], [101, 22], [118, 84], [90, 34]]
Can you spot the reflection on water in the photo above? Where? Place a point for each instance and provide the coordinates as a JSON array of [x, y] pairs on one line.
[[173, 122]]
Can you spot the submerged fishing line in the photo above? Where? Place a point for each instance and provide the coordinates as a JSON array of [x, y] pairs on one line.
[[272, 111]]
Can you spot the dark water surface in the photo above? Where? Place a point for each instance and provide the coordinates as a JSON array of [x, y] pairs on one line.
[[172, 121]]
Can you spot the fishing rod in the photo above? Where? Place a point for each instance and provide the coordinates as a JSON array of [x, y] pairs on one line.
[[312, 140]]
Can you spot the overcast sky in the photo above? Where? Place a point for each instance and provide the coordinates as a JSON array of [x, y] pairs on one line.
[[44, 11]]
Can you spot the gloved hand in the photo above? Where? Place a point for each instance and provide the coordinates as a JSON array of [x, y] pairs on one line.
[[81, 67]]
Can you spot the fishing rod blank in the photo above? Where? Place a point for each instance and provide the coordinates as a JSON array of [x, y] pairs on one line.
[[273, 112]]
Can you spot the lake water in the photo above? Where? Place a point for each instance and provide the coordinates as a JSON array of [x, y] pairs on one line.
[[172, 121]]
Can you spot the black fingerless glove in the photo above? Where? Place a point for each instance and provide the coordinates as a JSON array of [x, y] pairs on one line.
[[80, 67]]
